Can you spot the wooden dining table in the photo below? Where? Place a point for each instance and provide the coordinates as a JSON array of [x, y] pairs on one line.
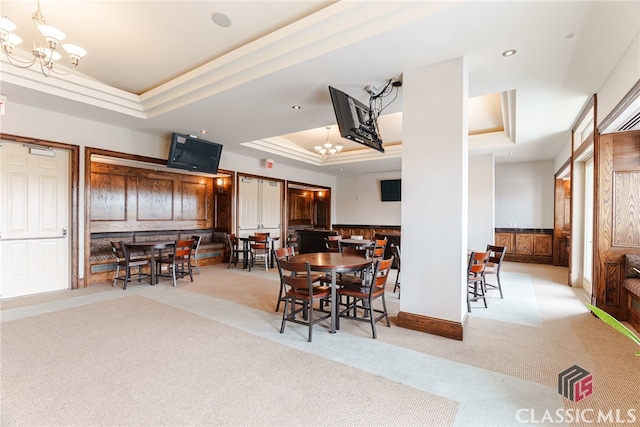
[[334, 263], [151, 247]]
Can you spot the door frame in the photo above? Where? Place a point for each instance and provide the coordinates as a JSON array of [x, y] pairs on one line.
[[74, 192]]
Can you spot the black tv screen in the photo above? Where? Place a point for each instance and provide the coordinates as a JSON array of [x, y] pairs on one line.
[[354, 120], [390, 190], [194, 154]]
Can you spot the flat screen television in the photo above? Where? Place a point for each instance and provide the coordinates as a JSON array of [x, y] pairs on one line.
[[354, 121], [194, 154], [390, 190]]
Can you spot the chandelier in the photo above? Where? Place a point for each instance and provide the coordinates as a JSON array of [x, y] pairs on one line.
[[327, 151], [45, 42]]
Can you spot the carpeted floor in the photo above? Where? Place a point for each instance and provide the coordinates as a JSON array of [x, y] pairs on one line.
[[210, 353]]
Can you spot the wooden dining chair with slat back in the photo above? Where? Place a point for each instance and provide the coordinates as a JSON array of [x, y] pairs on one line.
[[178, 262], [332, 243], [493, 266], [379, 245], [234, 250], [125, 261], [362, 298], [395, 251], [475, 278], [285, 254], [301, 291], [194, 255], [259, 249]]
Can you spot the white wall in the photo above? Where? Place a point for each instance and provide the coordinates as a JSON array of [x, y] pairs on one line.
[[481, 202], [525, 195], [358, 201], [625, 74]]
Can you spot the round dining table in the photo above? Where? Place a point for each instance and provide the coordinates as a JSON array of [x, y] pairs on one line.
[[334, 263]]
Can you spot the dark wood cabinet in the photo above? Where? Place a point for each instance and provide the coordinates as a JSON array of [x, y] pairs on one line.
[[526, 244]]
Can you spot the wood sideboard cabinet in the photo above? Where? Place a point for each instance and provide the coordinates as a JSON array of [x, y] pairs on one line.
[[526, 244]]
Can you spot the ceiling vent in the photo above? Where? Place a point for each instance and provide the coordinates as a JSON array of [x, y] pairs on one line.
[[632, 124]]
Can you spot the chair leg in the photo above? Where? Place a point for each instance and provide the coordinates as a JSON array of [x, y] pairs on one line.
[[310, 319], [279, 297], [284, 314], [117, 274], [499, 285], [372, 318], [126, 277]]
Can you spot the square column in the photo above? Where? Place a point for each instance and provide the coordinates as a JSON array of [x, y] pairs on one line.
[[434, 199]]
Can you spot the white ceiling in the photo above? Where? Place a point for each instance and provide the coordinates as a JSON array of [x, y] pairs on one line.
[[162, 66]]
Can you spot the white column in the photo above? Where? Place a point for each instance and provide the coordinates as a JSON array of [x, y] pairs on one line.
[[434, 191], [481, 201]]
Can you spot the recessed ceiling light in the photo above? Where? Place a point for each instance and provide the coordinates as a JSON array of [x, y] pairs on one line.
[[508, 53], [203, 131], [221, 19], [296, 107]]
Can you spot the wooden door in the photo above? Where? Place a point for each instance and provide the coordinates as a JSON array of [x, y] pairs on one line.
[[562, 222], [34, 220]]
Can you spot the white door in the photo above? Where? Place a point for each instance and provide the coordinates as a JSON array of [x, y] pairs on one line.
[[271, 201], [248, 206], [34, 219], [259, 207]]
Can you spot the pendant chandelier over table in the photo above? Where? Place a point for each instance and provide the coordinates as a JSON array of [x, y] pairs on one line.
[[328, 151], [45, 41]]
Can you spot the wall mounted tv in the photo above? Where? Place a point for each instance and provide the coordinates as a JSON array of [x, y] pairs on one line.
[[194, 154], [354, 121], [390, 190]]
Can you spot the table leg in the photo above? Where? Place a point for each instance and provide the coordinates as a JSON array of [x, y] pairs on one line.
[[334, 301], [245, 254], [153, 268], [272, 255]]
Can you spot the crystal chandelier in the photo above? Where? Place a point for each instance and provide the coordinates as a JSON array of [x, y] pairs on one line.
[[45, 42], [327, 151]]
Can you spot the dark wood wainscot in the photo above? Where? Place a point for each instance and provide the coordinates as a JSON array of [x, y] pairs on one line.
[[534, 245], [132, 204]]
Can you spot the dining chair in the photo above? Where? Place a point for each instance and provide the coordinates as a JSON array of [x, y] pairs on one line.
[[283, 253], [300, 290], [125, 261], [363, 297], [378, 247], [395, 251], [194, 255], [475, 278], [332, 243], [259, 249], [234, 250], [178, 262], [286, 253], [493, 265], [292, 240]]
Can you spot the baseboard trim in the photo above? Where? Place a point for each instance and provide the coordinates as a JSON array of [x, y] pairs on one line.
[[431, 325]]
